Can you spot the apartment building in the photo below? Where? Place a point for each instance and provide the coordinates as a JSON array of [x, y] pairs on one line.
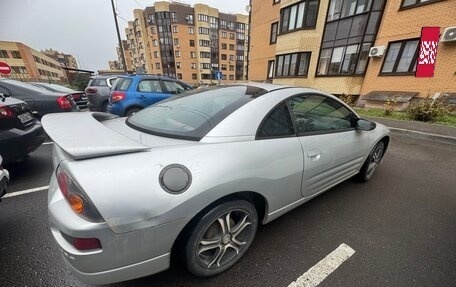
[[126, 55], [28, 64], [398, 40], [320, 44], [115, 65], [327, 45], [188, 43], [65, 60]]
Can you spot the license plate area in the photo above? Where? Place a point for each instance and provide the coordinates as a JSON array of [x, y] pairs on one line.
[[25, 117]]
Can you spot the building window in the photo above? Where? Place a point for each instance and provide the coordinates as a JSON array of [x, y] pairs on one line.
[[178, 65], [192, 43], [292, 65], [231, 57], [224, 35], [192, 54], [223, 46], [174, 29], [204, 43], [205, 65], [350, 30], [273, 36], [189, 18], [224, 57], [299, 15], [194, 77], [232, 47], [274, 2], [203, 30], [205, 55], [231, 77], [270, 69], [231, 68], [415, 3], [223, 24], [157, 65], [155, 54], [232, 36], [176, 41], [203, 18], [224, 67], [4, 54], [154, 43], [179, 76], [401, 57], [191, 31], [16, 54], [173, 17], [193, 65], [178, 54]]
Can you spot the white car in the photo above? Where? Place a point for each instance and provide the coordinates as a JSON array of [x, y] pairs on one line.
[[4, 179]]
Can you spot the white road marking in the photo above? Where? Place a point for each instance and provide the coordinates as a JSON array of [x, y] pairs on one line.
[[48, 143], [12, 194], [326, 266]]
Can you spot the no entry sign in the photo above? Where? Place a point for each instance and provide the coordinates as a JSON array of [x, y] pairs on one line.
[[5, 69]]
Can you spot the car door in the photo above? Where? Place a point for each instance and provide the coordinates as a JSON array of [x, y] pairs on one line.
[[333, 149], [150, 91]]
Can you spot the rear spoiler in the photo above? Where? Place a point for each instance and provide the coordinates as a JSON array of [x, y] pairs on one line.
[[82, 135]]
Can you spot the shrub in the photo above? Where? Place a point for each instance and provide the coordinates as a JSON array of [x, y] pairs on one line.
[[426, 111], [348, 99], [389, 106]]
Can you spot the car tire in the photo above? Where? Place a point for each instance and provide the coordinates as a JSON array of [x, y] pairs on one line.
[[221, 238], [131, 111], [371, 163]]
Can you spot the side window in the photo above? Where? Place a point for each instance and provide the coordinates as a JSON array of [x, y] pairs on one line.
[[277, 124], [173, 87], [150, 86], [317, 113]]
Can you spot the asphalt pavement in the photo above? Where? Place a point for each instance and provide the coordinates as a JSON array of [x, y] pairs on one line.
[[401, 225]]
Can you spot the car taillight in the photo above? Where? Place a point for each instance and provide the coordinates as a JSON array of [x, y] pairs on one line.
[[5, 112], [83, 243], [64, 103], [76, 198], [91, 90], [117, 96]]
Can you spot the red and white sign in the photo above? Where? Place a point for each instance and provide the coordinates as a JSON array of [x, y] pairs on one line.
[[428, 52], [5, 69]]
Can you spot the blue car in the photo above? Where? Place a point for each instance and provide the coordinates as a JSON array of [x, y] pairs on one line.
[[132, 93]]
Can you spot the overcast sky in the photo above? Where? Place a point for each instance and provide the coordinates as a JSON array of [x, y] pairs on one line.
[[83, 28]]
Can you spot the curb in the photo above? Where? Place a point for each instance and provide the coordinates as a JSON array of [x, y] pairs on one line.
[[422, 135]]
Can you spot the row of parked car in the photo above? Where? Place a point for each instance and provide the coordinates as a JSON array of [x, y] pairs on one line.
[[23, 104]]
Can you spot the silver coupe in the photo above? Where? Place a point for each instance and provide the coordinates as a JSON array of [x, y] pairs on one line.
[[195, 174]]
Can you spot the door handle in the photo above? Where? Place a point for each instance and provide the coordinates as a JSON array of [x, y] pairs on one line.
[[314, 154], [142, 97]]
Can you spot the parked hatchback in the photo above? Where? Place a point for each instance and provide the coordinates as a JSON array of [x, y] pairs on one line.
[[130, 94], [20, 132], [97, 92]]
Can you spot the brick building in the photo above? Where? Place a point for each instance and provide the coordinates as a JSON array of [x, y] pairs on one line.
[[65, 60], [30, 65], [326, 44], [188, 43]]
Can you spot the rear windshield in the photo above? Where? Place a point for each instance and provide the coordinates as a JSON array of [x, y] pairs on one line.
[[99, 82], [121, 84], [191, 115]]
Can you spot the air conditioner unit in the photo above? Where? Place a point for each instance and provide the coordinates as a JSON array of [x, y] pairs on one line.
[[377, 51], [449, 35]]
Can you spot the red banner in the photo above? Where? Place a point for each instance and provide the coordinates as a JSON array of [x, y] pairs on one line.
[[428, 52]]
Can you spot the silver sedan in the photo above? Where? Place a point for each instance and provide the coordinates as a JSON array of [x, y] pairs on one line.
[[196, 174]]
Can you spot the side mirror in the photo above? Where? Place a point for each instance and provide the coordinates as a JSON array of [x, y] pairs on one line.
[[365, 125]]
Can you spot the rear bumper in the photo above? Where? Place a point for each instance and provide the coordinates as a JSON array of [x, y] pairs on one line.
[[123, 256], [95, 102], [16, 143], [116, 109]]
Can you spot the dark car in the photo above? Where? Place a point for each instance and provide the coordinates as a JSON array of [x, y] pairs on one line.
[[79, 97], [20, 132], [4, 179], [40, 101], [97, 92], [132, 93]]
